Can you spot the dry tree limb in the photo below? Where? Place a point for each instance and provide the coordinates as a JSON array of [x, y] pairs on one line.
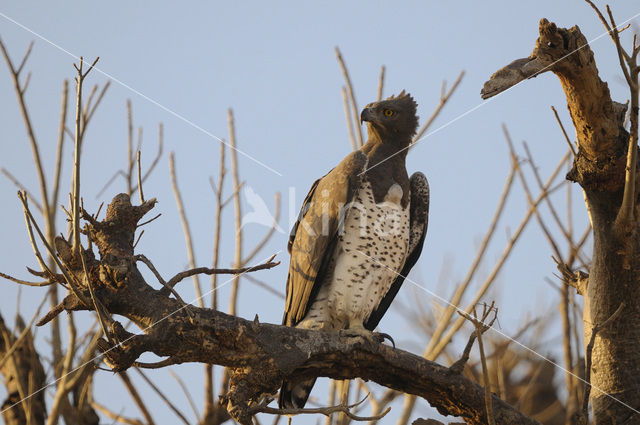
[[445, 95], [564, 132], [482, 249], [265, 239], [9, 351], [25, 282], [187, 394], [79, 132], [163, 397], [205, 270], [115, 416], [481, 327], [21, 188], [269, 353], [142, 258], [15, 75], [352, 96], [185, 228], [349, 118], [381, 83], [139, 178], [124, 377], [235, 174]]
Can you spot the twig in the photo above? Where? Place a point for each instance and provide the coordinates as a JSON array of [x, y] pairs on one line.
[[149, 264], [349, 118], [267, 236], [163, 397], [205, 270], [76, 157], [185, 228], [264, 286], [564, 132], [9, 352], [139, 178], [481, 327], [381, 83], [462, 287], [15, 74], [217, 227], [56, 175], [136, 397], [505, 254], [444, 97], [150, 220], [25, 282], [235, 174], [186, 393], [29, 219], [21, 187], [352, 97], [116, 417]]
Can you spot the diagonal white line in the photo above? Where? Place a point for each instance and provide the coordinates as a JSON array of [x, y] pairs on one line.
[[142, 95], [483, 103], [433, 294], [135, 334]]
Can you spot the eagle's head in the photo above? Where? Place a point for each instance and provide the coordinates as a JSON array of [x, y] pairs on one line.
[[393, 119]]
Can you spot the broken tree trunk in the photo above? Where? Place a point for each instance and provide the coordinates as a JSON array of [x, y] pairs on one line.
[[599, 168]]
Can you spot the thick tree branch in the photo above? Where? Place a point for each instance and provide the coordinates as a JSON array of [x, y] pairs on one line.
[[258, 355]]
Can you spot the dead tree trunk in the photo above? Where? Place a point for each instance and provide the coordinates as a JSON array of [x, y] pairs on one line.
[[599, 168]]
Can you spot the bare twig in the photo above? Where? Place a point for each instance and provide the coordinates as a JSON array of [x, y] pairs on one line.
[[444, 97], [481, 327], [185, 228], [564, 132], [235, 174], [139, 178], [21, 187], [9, 351], [381, 83], [349, 118], [15, 74], [186, 393], [149, 264], [136, 397], [116, 417], [267, 236], [205, 270], [163, 397], [352, 97]]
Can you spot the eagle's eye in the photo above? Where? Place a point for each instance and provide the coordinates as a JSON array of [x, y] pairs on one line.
[[388, 113]]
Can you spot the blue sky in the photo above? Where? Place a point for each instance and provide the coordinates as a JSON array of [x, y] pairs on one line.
[[274, 64]]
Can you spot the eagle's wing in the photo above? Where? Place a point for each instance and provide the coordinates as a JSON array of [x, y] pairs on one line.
[[419, 220], [314, 234]]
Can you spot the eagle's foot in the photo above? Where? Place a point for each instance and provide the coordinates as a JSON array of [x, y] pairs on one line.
[[367, 335]]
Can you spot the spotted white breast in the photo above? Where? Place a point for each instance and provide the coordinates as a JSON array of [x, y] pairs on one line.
[[370, 251]]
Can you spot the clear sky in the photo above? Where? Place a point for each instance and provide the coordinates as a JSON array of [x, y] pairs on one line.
[[273, 63]]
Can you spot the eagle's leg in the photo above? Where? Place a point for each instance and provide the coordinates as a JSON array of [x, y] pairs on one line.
[[357, 330]]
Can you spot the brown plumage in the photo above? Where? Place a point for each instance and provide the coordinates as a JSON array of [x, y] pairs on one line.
[[335, 250]]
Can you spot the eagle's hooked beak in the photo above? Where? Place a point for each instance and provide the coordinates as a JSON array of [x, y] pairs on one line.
[[366, 115]]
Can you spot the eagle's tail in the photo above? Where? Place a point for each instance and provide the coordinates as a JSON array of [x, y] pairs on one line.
[[294, 395]]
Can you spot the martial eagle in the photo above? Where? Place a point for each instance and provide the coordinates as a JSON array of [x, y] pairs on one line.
[[359, 233]]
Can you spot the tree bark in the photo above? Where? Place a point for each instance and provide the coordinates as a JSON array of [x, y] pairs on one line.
[[599, 168], [259, 355]]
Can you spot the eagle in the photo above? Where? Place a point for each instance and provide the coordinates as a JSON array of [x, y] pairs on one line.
[[360, 231]]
